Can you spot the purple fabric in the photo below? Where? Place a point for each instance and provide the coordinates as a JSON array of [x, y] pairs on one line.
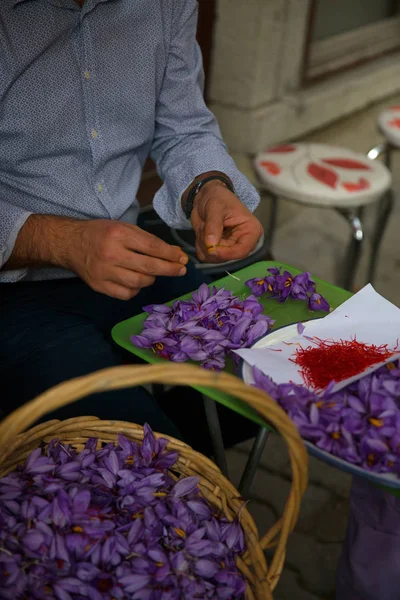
[[369, 568]]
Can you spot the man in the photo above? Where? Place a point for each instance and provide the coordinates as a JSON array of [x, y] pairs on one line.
[[88, 90]]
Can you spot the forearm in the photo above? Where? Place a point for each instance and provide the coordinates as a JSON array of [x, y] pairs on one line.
[[44, 240]]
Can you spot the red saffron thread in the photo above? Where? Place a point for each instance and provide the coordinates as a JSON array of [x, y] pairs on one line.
[[331, 360]]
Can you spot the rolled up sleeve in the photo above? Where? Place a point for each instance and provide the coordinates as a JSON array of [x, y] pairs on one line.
[[12, 219], [187, 140]]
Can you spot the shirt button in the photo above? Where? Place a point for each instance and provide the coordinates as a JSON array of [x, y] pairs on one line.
[[95, 134], [87, 75], [100, 187]]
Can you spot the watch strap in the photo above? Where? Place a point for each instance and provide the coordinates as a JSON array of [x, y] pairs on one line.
[[197, 187]]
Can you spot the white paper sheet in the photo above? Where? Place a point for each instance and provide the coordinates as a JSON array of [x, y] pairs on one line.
[[366, 316]]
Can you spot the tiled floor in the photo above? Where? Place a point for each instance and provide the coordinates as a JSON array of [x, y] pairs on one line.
[[315, 240]]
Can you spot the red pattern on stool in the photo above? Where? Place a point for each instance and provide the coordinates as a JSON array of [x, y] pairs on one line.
[[389, 124], [282, 149], [362, 184], [271, 167], [322, 175], [347, 163]]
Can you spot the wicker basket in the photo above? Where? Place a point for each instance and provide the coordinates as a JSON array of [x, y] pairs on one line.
[[15, 447]]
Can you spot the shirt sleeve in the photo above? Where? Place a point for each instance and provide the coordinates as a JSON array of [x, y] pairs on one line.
[[187, 140], [12, 219]]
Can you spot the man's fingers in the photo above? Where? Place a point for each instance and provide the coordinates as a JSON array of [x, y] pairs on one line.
[[118, 291], [241, 249], [130, 279], [150, 245], [213, 229], [150, 266]]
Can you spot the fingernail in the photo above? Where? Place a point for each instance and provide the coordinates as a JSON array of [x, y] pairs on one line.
[[184, 259], [182, 271], [211, 240]]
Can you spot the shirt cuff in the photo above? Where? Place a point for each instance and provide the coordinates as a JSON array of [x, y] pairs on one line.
[[6, 249], [167, 201]]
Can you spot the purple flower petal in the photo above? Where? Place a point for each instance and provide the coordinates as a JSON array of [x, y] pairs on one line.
[[185, 487]]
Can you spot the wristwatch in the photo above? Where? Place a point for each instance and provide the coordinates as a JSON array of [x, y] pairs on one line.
[[197, 187]]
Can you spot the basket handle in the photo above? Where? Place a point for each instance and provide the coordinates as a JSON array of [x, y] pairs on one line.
[[170, 374]]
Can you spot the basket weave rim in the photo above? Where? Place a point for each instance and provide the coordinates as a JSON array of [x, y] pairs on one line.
[[16, 441]]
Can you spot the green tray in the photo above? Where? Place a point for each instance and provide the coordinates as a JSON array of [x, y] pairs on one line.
[[284, 314]]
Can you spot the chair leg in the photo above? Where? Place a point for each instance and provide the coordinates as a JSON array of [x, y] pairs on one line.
[[388, 156], [253, 461], [214, 428], [354, 249], [384, 211], [378, 150]]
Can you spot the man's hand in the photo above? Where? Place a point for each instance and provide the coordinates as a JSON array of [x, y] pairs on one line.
[[114, 258], [225, 229], [119, 259]]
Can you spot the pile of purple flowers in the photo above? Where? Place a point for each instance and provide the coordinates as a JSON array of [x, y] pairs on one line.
[[112, 523], [282, 286], [360, 423], [205, 328]]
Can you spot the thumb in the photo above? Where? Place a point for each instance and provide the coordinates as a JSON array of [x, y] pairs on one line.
[[213, 228]]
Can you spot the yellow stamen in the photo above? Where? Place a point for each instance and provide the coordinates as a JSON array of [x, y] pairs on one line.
[[160, 346], [370, 459], [335, 435], [129, 460], [77, 529], [390, 463], [159, 494], [376, 422], [261, 282], [270, 288], [320, 404], [288, 282], [179, 532], [159, 564], [391, 366]]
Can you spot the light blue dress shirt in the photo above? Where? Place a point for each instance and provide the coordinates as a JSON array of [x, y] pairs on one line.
[[86, 95]]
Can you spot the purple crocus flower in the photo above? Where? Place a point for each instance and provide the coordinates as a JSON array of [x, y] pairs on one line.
[[360, 423], [318, 303], [378, 413], [262, 285], [302, 285], [205, 328], [116, 524], [283, 285]]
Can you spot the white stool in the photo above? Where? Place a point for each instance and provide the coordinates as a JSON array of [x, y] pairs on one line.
[[389, 126], [327, 177]]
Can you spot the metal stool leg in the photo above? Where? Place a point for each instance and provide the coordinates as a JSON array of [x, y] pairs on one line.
[[253, 461], [214, 428], [378, 150], [354, 249], [388, 156], [384, 211]]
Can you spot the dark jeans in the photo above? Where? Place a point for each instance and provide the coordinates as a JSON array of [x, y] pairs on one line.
[[52, 331]]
